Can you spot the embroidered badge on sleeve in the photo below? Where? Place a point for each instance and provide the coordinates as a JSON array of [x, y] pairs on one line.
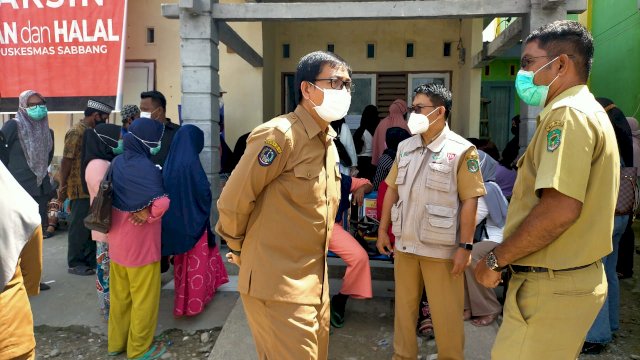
[[267, 155], [472, 163], [553, 139]]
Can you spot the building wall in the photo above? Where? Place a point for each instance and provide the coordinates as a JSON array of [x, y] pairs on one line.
[[390, 38], [615, 26]]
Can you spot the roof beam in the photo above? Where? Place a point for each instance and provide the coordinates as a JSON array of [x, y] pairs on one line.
[[356, 10], [551, 4], [235, 42], [506, 40]]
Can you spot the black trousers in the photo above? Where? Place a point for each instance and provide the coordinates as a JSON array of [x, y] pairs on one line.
[[626, 252], [81, 250], [43, 203]]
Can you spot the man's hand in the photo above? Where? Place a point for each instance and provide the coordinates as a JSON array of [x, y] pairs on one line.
[[232, 258], [140, 217], [384, 243], [461, 260], [485, 276]]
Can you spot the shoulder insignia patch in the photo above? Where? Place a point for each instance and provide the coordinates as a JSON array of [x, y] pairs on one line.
[[472, 165], [274, 145], [553, 139], [554, 124], [450, 157], [267, 155]]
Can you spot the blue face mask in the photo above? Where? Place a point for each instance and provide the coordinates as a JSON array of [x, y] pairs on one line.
[[37, 112], [528, 91]]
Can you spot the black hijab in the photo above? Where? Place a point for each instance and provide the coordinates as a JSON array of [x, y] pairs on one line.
[[393, 138], [97, 144], [369, 121]]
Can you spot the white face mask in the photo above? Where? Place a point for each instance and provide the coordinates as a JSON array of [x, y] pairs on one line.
[[145, 114], [419, 123], [335, 105]]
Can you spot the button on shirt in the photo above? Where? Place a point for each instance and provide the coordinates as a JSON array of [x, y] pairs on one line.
[[278, 208]]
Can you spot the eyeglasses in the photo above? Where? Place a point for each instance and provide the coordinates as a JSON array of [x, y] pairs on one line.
[[528, 60], [339, 84], [39, 103], [418, 108]]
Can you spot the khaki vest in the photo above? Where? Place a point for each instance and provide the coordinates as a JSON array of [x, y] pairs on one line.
[[425, 218]]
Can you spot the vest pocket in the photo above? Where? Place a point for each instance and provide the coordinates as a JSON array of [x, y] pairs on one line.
[[439, 177], [403, 166], [440, 225], [396, 219]]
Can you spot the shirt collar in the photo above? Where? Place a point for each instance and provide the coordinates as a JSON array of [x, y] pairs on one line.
[[572, 91], [310, 126], [438, 143]]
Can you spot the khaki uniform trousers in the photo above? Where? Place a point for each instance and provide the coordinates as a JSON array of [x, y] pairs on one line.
[[288, 331], [548, 314], [446, 301]]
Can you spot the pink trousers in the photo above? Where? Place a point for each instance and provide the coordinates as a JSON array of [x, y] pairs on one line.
[[357, 279]]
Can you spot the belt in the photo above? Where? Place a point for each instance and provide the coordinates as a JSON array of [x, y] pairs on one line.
[[534, 269]]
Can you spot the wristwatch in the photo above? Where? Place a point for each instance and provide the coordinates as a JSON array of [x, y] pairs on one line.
[[492, 262], [466, 246]]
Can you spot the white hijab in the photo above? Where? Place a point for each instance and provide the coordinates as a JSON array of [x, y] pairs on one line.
[[19, 218]]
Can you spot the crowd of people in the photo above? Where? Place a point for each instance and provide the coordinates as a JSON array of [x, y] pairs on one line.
[[457, 216]]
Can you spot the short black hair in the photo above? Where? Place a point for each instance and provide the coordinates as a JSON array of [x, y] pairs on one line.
[[438, 94], [311, 65], [156, 97], [566, 37]]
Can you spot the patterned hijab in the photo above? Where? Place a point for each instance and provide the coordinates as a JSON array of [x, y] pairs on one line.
[[35, 137]]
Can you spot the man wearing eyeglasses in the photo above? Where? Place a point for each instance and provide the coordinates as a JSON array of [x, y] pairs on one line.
[[81, 252], [560, 217], [434, 186], [277, 212]]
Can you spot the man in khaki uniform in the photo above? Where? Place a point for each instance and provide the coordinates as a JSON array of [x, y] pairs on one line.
[[560, 218], [434, 185], [277, 212]]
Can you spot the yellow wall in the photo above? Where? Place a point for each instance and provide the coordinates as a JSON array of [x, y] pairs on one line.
[[350, 39]]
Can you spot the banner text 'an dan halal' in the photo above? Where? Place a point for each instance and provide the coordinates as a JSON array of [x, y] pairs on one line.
[[68, 50]]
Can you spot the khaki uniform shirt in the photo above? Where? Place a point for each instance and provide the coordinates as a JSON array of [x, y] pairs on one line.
[[573, 151], [278, 207], [426, 221], [73, 151]]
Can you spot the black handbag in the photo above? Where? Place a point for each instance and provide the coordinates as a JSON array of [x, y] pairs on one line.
[[99, 218]]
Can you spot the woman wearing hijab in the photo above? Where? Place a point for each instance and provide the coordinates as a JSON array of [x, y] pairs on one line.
[[19, 225], [186, 230], [397, 111], [99, 146], [26, 149], [139, 202], [393, 137], [363, 141], [635, 137], [481, 303]]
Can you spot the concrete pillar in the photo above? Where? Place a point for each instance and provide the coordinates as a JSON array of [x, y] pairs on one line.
[[536, 18], [200, 83]]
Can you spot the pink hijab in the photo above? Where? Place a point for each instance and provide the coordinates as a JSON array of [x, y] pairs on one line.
[[395, 119], [635, 136]]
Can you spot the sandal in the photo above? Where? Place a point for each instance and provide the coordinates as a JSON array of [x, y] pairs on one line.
[[81, 270], [425, 329], [336, 319], [484, 320], [154, 352]]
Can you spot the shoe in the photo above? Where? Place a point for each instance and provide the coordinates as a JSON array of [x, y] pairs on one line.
[[44, 287], [81, 270], [592, 348], [337, 319]]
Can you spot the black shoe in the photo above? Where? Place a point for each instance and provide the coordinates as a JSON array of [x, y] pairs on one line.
[[44, 287], [592, 348]]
